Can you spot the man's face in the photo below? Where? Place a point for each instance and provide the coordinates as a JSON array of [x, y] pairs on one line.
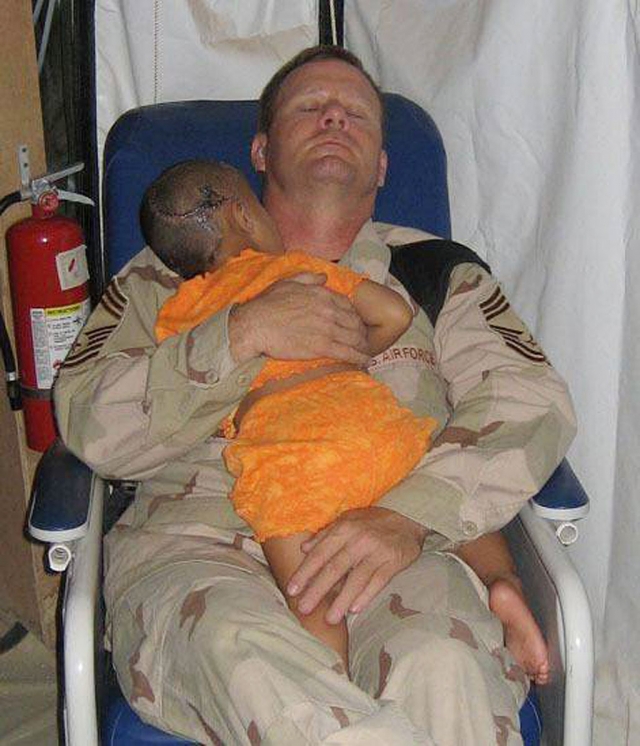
[[326, 130]]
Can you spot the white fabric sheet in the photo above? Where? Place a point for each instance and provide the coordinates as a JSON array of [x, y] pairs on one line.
[[149, 51], [536, 102]]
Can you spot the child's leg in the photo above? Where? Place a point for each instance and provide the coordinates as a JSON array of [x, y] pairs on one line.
[[489, 557], [284, 556]]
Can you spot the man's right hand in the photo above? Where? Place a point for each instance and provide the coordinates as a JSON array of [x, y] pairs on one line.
[[299, 319]]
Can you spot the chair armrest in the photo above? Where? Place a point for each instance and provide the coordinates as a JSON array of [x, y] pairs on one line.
[[560, 603], [563, 497], [61, 497]]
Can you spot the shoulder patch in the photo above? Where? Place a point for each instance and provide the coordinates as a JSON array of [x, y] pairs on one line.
[[104, 321], [503, 321], [113, 300]]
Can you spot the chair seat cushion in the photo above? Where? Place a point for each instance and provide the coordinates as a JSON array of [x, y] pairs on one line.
[[122, 727]]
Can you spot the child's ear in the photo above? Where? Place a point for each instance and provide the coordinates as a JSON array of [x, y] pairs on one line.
[[241, 216]]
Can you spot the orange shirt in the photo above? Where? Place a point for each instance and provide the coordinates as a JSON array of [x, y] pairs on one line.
[[240, 279]]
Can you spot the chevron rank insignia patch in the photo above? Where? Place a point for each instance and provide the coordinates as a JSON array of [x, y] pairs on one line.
[[503, 321], [105, 320]]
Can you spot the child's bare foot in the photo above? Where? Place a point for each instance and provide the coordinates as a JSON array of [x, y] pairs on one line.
[[523, 637]]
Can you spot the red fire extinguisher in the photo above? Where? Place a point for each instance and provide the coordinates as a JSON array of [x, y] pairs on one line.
[[49, 287]]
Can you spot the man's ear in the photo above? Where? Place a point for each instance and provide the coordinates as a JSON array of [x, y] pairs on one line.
[[382, 167], [258, 152]]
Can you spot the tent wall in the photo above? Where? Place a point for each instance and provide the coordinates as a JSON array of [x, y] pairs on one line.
[[150, 51], [537, 105], [536, 102]]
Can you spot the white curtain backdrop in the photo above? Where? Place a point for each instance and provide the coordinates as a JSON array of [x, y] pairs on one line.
[[537, 104]]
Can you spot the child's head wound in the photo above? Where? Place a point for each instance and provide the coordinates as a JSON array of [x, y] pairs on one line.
[[180, 213]]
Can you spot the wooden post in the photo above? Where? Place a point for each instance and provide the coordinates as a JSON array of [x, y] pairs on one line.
[[27, 592]]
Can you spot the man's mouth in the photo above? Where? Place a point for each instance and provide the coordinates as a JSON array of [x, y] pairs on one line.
[[332, 143]]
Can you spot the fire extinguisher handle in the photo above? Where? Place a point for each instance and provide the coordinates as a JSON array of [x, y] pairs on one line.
[[73, 197]]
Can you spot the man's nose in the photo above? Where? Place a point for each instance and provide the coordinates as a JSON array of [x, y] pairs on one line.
[[334, 116]]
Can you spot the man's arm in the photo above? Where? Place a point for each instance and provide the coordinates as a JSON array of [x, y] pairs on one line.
[[512, 424], [512, 420], [127, 406]]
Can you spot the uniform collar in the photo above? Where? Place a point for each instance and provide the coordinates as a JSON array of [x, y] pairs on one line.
[[368, 254]]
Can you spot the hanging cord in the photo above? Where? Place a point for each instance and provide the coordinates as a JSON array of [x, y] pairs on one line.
[[156, 50], [334, 24], [37, 10], [46, 31]]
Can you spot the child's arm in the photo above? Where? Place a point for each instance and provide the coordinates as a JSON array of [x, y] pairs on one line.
[[384, 312]]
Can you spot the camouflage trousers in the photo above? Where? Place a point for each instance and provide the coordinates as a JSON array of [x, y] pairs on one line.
[[205, 647]]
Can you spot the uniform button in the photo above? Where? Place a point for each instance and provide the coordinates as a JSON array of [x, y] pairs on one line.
[[469, 528], [212, 377], [243, 379]]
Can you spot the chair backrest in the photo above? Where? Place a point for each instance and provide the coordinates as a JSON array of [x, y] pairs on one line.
[[145, 141]]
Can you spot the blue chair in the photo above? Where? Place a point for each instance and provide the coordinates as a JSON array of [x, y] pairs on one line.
[[143, 143]]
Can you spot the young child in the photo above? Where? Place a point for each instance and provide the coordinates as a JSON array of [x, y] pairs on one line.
[[310, 439]]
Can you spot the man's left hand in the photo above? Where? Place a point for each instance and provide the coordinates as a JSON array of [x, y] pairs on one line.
[[363, 548]]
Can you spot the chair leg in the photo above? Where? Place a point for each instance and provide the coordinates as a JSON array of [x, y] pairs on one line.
[[79, 623]]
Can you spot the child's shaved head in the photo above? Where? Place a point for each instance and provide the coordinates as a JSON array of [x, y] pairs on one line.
[[180, 215]]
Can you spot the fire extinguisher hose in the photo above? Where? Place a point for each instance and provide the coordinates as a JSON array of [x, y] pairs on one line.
[[10, 369], [8, 200]]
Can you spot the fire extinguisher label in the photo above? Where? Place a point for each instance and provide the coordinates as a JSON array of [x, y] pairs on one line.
[[72, 267], [54, 331]]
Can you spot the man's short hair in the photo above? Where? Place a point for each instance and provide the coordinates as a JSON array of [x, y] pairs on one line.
[[179, 214], [269, 96]]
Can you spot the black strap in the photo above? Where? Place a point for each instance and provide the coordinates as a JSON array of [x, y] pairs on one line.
[[424, 269]]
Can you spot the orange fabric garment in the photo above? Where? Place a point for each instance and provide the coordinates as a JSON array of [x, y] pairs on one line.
[[240, 279], [306, 454]]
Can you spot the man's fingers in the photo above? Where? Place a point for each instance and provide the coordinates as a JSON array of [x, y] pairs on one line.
[[354, 586], [377, 582], [317, 556], [312, 541], [299, 318], [342, 302], [347, 318], [309, 278], [345, 353], [323, 581]]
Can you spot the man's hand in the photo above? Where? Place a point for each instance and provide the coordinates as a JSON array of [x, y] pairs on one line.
[[364, 548], [298, 319]]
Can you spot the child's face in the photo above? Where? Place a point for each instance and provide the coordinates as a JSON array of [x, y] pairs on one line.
[[264, 232]]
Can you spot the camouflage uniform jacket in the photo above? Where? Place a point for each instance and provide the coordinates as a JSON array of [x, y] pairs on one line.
[[132, 409]]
